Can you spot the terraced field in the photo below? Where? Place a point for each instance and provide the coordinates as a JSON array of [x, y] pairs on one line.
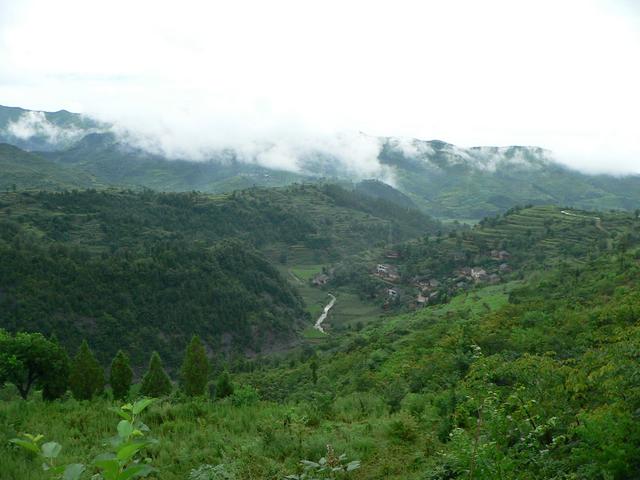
[[554, 231]]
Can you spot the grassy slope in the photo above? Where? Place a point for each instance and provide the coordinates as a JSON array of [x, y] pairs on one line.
[[555, 351], [27, 171], [256, 440]]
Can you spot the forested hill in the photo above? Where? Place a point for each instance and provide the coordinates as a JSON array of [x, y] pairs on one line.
[[326, 217], [521, 380], [23, 170], [145, 271], [145, 300], [453, 182]]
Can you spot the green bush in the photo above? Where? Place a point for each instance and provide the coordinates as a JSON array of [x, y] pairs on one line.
[[244, 395]]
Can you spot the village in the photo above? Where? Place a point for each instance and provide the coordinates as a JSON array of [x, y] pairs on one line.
[[431, 290], [422, 290]]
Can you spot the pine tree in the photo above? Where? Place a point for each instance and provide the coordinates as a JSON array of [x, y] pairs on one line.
[[87, 377], [224, 387], [156, 382], [120, 376], [195, 368]]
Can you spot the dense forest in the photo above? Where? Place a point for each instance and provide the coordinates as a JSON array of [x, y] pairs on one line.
[[145, 271]]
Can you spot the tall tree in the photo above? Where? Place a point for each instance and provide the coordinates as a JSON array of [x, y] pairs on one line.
[[156, 382], [120, 376], [29, 359], [195, 368], [87, 376]]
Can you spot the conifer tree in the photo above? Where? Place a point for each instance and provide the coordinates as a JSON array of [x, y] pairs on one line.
[[87, 377], [120, 376], [224, 387], [195, 368], [156, 382]]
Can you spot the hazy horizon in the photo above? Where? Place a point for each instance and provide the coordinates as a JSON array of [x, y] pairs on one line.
[[281, 79]]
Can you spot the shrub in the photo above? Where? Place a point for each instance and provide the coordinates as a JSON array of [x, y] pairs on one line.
[[402, 429], [224, 387], [245, 395], [328, 467]]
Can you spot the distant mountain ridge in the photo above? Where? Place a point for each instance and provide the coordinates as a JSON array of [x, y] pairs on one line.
[[36, 130], [439, 178]]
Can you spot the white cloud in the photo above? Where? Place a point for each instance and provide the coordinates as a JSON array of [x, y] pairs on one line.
[[196, 75], [35, 124]]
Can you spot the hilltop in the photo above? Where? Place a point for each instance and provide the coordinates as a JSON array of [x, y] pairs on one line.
[[441, 179], [471, 183]]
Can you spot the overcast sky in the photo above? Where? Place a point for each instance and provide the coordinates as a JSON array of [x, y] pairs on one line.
[[561, 74]]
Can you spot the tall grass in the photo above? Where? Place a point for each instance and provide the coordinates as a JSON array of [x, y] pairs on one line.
[[263, 440]]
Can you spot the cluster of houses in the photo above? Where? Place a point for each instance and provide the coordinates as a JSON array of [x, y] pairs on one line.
[[320, 279], [431, 289], [477, 275], [387, 272]]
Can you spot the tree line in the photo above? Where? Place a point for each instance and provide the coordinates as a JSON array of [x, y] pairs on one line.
[[32, 361]]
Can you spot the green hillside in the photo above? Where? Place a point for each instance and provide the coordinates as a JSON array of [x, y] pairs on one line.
[[120, 264], [515, 381], [452, 182], [432, 269], [116, 163], [37, 130], [26, 171], [441, 179]]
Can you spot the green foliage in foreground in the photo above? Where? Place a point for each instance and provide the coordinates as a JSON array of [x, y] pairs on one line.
[[257, 440], [524, 381], [534, 379], [122, 462]]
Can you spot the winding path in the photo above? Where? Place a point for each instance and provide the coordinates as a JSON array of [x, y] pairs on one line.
[[323, 316]]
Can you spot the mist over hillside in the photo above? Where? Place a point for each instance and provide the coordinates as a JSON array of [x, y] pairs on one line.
[[441, 179]]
